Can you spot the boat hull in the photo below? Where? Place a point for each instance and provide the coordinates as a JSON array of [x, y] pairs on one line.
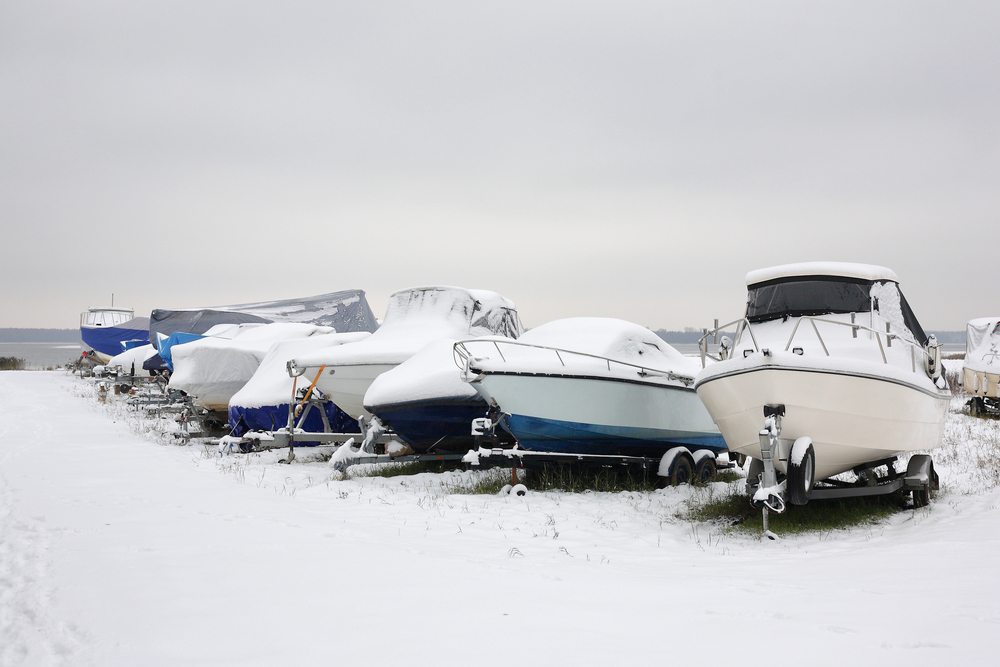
[[852, 418], [979, 383], [592, 415], [109, 341], [346, 385], [435, 426]]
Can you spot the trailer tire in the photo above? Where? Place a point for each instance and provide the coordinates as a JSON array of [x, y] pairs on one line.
[[753, 476], [801, 471], [681, 471], [706, 471]]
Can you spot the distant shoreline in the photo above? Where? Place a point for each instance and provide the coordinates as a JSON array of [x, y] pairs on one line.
[[39, 335]]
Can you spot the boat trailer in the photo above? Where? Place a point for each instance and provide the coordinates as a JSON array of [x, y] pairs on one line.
[[769, 490]]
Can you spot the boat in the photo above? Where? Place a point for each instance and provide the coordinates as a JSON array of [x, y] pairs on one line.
[[427, 405], [829, 372], [262, 404], [981, 368], [212, 368], [344, 311], [413, 318], [110, 331], [593, 386]]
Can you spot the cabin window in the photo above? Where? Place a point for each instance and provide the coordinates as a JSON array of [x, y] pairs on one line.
[[795, 298]]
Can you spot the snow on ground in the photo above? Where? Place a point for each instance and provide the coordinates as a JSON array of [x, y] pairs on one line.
[[119, 549]]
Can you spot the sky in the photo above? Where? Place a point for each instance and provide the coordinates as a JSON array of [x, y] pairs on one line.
[[620, 159]]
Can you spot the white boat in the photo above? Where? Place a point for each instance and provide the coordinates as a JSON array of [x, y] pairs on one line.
[[830, 372], [592, 386], [981, 368], [413, 318], [214, 367]]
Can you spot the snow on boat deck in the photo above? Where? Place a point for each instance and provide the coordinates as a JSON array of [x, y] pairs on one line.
[[116, 550]]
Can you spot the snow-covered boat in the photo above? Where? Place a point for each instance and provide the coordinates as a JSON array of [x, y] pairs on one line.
[[830, 372], [590, 385], [110, 331], [262, 404], [426, 404], [413, 318], [981, 368], [345, 311], [215, 366]]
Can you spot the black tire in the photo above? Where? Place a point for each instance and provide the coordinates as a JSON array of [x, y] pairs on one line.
[[922, 497], [706, 471], [753, 476], [682, 470], [801, 476]]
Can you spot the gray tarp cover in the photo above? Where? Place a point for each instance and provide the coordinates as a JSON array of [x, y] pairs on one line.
[[346, 311]]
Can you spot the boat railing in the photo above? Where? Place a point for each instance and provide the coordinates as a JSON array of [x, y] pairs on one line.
[[928, 355], [464, 359]]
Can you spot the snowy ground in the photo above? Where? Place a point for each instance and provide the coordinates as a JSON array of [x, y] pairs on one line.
[[116, 549]]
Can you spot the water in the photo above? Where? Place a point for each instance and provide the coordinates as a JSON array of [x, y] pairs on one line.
[[42, 355]]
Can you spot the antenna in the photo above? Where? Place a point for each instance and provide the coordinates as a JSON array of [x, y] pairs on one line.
[[112, 299]]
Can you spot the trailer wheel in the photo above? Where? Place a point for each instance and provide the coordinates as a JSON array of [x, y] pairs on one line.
[[705, 472], [753, 476], [681, 471], [801, 471], [924, 466], [519, 490]]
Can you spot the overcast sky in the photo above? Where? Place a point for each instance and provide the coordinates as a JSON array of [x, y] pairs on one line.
[[631, 160]]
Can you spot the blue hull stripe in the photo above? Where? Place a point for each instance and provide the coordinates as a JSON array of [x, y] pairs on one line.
[[570, 437]]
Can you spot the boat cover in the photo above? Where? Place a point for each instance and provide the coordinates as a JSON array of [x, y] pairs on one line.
[[982, 345], [344, 311], [110, 340], [262, 403]]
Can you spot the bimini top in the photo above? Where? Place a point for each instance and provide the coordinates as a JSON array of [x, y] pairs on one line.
[[865, 272], [826, 288]]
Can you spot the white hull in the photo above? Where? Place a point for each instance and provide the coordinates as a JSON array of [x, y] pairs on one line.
[[599, 402], [346, 385], [980, 383], [598, 415], [851, 417]]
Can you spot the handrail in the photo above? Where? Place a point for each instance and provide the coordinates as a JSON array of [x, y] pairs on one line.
[[744, 324], [889, 336], [463, 358]]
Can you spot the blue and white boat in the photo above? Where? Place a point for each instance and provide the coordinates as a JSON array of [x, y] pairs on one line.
[[591, 386], [110, 331], [426, 404]]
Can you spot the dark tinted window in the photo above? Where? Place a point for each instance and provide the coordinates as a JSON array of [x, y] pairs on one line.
[[806, 297]]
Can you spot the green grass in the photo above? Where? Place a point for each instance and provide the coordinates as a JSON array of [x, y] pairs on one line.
[[408, 468], [12, 364], [733, 510], [577, 479]]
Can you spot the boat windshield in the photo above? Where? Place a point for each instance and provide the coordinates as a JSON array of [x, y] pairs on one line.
[[818, 296], [795, 298]]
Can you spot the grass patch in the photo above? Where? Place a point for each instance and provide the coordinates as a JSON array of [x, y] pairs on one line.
[[488, 482], [733, 510], [408, 468], [12, 364], [577, 479]]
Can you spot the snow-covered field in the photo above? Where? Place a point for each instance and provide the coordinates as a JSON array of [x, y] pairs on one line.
[[118, 549]]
